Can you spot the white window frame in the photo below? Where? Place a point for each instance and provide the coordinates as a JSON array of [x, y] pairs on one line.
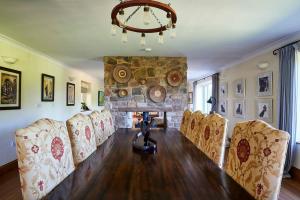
[[203, 93]]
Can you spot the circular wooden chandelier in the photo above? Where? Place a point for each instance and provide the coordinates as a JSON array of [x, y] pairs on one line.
[[118, 20]]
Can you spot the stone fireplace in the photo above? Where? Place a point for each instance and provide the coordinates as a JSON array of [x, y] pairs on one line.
[[145, 73]]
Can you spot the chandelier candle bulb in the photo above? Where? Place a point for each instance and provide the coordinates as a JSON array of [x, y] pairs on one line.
[[146, 17], [173, 31], [169, 25], [161, 38], [143, 39], [124, 36], [121, 16], [113, 29]]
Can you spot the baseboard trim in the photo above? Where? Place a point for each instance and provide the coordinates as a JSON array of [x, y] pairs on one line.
[[13, 165], [295, 173]]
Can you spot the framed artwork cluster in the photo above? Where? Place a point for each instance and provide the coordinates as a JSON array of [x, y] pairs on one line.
[[263, 103], [239, 104], [264, 88], [223, 103]]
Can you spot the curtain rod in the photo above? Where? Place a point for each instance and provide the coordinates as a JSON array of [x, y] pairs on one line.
[[205, 77], [275, 52]]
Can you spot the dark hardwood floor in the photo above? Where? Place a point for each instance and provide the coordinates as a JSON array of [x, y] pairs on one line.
[[10, 187]]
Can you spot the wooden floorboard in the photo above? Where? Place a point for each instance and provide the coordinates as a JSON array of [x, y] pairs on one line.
[[10, 188]]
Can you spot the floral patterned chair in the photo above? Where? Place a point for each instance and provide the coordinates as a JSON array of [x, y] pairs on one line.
[[185, 121], [193, 129], [98, 120], [82, 137], [108, 123], [44, 157], [212, 137], [256, 158]]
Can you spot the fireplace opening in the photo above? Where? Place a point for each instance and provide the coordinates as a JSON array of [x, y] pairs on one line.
[[138, 117]]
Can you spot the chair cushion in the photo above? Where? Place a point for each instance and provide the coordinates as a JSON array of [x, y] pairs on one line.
[[44, 157], [82, 137], [256, 158], [108, 122], [98, 120], [185, 121], [193, 129], [212, 137]]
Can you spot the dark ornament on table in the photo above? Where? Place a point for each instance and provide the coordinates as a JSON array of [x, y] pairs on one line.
[[149, 144]]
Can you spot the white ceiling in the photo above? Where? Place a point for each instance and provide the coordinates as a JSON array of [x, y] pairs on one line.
[[211, 33]]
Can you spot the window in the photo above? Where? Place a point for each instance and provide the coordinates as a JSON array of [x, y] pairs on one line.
[[203, 92], [298, 95]]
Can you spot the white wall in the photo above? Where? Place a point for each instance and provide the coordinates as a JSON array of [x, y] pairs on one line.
[[32, 64], [248, 70]]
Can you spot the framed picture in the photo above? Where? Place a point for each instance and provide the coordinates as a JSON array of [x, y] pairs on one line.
[[48, 86], [100, 98], [223, 107], [10, 90], [190, 98], [70, 94], [264, 110], [239, 87], [224, 90], [239, 108], [264, 85]]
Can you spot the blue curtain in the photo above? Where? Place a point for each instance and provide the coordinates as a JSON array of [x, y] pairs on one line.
[[194, 95], [287, 101], [215, 91]]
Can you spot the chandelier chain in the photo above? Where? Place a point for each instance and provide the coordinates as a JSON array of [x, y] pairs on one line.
[[133, 13], [152, 12]]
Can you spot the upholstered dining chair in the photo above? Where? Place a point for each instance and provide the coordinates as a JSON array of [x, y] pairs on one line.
[[212, 137], [82, 137], [109, 127], [194, 125], [44, 157], [256, 158], [185, 121], [98, 121]]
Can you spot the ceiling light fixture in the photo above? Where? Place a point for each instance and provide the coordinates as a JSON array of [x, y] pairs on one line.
[[149, 7]]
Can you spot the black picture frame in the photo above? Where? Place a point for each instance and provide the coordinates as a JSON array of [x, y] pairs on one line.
[[18, 92], [51, 97], [67, 94]]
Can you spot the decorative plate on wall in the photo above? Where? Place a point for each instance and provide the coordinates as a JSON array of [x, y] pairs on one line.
[[174, 78], [157, 94], [121, 74], [123, 93]]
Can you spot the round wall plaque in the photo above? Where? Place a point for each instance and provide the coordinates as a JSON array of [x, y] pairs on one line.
[[174, 78], [121, 74], [123, 93], [157, 94]]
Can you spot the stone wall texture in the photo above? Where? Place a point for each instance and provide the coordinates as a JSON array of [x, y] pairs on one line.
[[146, 72]]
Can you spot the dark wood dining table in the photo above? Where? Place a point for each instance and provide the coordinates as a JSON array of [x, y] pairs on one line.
[[179, 170]]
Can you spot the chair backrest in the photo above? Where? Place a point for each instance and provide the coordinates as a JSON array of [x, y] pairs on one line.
[[256, 158], [44, 157], [109, 127], [98, 120], [193, 129], [213, 137], [185, 121], [82, 137]]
